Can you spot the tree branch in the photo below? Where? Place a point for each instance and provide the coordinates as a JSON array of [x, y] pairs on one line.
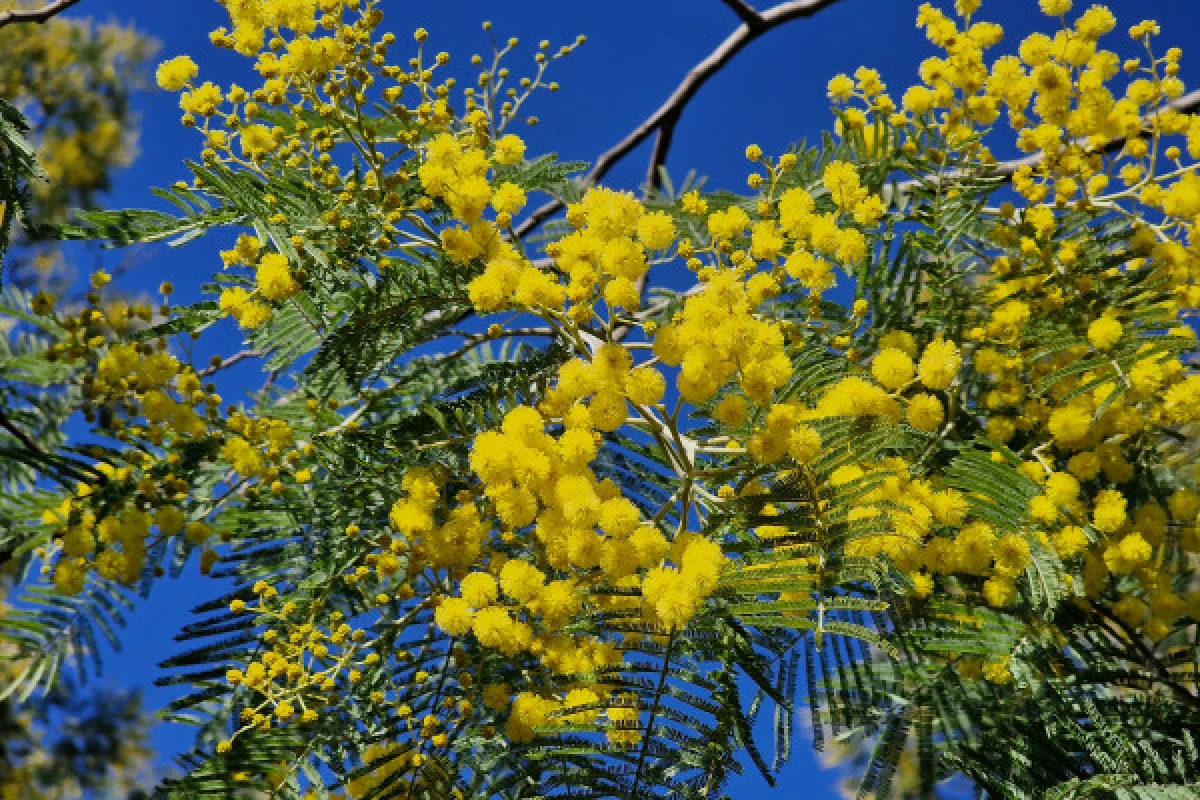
[[658, 157], [38, 15], [24, 438], [745, 12], [663, 120], [1184, 104], [35, 449], [241, 355]]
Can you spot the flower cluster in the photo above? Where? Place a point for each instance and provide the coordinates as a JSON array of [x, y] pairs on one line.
[[1009, 410]]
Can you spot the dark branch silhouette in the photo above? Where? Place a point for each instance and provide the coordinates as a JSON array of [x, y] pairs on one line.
[[38, 15], [21, 436], [662, 122], [745, 12]]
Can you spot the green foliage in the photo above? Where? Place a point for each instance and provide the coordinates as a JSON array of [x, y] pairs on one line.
[[377, 362], [18, 165]]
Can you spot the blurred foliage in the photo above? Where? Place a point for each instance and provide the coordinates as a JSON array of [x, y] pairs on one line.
[[65, 126], [72, 79], [72, 742]]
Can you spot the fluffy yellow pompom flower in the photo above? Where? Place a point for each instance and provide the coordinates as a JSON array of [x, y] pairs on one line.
[[1062, 488], [840, 88], [998, 592], [804, 444], [1012, 555], [645, 386], [607, 213], [893, 368], [622, 293], [607, 410], [454, 616], [1131, 552], [901, 340], [619, 517], [656, 230], [521, 581], [558, 602], [479, 589], [275, 281], [1070, 425], [169, 520], [233, 300], [925, 412], [254, 315], [257, 141], [242, 456], [1184, 504], [1104, 333], [1109, 512], [528, 712], [922, 584], [176, 73], [245, 251], [939, 364], [841, 179], [856, 397], [70, 575], [949, 507], [671, 598], [997, 672], [1054, 8], [509, 150], [508, 198], [813, 272], [731, 411], [238, 303], [1070, 541], [693, 203], [202, 100], [701, 561], [496, 629], [869, 211], [728, 223], [492, 290]]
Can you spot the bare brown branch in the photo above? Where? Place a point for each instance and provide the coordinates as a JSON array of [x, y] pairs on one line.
[[38, 15], [664, 119]]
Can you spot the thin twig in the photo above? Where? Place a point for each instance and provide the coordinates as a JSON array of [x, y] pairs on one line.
[[664, 119], [38, 15], [1184, 104], [241, 355], [36, 449], [473, 340], [658, 694], [26, 441]]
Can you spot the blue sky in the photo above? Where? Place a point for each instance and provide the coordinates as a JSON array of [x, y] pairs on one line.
[[772, 94]]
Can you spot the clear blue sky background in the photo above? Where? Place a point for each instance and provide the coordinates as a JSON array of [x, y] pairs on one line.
[[772, 94]]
